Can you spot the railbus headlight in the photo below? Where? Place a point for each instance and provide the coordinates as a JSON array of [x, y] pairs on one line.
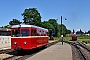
[[15, 43], [25, 43]]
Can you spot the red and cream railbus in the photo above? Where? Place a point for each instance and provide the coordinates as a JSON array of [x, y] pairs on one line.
[[26, 37]]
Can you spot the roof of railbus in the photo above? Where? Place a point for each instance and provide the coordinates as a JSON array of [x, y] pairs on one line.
[[24, 25]]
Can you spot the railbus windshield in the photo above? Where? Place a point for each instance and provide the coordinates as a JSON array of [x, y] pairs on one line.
[[18, 33], [15, 33], [25, 32]]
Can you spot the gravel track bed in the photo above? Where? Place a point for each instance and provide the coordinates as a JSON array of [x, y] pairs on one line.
[[5, 51], [76, 55]]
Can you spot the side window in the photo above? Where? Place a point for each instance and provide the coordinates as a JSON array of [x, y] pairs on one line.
[[38, 32], [46, 33], [34, 33], [43, 33]]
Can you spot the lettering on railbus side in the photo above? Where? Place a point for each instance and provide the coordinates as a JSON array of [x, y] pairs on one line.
[[39, 41], [45, 40]]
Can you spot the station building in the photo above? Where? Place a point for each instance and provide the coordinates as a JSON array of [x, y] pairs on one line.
[[4, 32]]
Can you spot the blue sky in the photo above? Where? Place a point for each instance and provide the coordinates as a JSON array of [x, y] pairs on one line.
[[77, 12]]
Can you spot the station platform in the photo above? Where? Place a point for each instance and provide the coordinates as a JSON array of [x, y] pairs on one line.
[[5, 46], [54, 52]]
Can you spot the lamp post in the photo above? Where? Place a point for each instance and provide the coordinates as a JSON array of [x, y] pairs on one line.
[[62, 30]]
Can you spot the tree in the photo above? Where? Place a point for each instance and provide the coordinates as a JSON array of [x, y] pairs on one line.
[[89, 31], [64, 29], [14, 22], [1, 27], [68, 31], [48, 26], [31, 16], [55, 25], [86, 32], [7, 26], [73, 31], [80, 30]]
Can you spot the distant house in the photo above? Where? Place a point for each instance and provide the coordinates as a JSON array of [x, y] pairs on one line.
[[78, 33], [69, 34], [87, 34]]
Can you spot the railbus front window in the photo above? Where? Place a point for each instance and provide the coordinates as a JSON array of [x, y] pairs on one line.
[[25, 32], [15, 33]]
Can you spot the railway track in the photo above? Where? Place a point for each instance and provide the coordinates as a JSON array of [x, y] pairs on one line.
[[15, 56], [5, 51], [12, 58], [83, 50]]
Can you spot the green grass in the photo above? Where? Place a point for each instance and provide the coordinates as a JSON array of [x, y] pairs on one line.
[[65, 38], [56, 38], [85, 39], [88, 44]]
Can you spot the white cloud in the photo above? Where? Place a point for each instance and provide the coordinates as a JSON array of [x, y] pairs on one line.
[[77, 29]]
